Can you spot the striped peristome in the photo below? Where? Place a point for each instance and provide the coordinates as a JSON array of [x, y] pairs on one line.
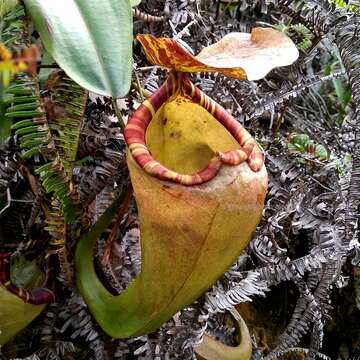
[[177, 82]]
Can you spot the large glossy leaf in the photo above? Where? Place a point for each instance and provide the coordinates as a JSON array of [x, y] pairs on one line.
[[190, 235], [135, 2], [90, 39]]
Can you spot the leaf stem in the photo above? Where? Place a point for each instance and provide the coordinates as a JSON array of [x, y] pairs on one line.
[[144, 93], [139, 87], [118, 114]]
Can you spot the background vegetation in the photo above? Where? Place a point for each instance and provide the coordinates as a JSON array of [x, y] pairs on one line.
[[297, 285]]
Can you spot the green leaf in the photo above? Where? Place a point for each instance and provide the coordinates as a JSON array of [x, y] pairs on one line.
[[5, 123], [343, 93], [6, 6], [91, 40], [135, 2]]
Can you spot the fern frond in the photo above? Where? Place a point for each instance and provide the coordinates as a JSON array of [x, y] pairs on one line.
[[306, 351], [28, 111], [57, 228], [78, 320], [348, 43], [277, 98], [71, 99], [252, 285], [52, 344], [14, 30], [296, 329], [9, 165], [319, 20], [306, 36], [100, 174], [56, 181], [139, 15]]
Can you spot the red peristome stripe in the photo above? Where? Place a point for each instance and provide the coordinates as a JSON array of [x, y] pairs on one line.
[[136, 128], [233, 157], [144, 159], [142, 116], [42, 295], [256, 159], [210, 171]]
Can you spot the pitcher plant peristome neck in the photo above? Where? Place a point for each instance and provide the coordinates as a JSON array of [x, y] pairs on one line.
[[178, 83], [38, 296], [19, 306]]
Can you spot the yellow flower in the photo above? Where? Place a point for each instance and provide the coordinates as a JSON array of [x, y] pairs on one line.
[[8, 65]]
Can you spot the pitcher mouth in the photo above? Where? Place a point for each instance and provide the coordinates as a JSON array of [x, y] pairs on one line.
[[137, 125], [38, 296]]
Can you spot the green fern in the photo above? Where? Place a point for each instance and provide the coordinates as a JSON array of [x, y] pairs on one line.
[[65, 130], [341, 4], [301, 144], [14, 28], [13, 33], [306, 36], [72, 98], [25, 108], [57, 228], [31, 125], [56, 181], [28, 111], [56, 139], [7, 6]]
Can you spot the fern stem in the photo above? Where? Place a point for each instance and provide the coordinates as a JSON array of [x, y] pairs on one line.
[[142, 98], [118, 114], [144, 93]]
